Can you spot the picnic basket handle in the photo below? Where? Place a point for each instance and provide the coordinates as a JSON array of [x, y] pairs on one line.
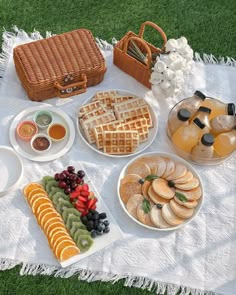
[[162, 33], [71, 89], [141, 41]]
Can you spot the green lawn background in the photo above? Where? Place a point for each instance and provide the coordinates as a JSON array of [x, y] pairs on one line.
[[209, 25]]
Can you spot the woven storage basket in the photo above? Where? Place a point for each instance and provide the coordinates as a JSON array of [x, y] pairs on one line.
[[129, 64], [62, 65]]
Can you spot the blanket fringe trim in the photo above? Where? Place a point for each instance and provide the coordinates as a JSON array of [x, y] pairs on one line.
[[9, 38], [92, 276]]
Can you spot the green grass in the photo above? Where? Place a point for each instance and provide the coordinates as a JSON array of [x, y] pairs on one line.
[[208, 25]]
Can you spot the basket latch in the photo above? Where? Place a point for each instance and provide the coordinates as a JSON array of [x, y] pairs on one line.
[[71, 88]]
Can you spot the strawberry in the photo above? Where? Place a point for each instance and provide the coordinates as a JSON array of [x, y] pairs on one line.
[[91, 202], [82, 199], [74, 195], [85, 187], [80, 204], [85, 212], [84, 193], [91, 195], [93, 207]]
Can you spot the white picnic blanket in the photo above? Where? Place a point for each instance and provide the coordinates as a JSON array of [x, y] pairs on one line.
[[199, 257]]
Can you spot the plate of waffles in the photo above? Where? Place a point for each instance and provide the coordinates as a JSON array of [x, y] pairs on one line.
[[160, 191], [117, 123]]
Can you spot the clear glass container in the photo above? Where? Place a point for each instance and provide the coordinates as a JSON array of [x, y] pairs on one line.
[[212, 160]]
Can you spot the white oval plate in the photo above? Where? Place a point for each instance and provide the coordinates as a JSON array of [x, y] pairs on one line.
[[11, 170], [143, 146], [57, 149], [176, 159]]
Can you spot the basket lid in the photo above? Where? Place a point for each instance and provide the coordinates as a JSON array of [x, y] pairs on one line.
[[54, 58]]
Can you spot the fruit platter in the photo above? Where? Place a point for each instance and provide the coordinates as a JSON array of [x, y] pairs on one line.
[[117, 123], [160, 191], [72, 215], [42, 133]]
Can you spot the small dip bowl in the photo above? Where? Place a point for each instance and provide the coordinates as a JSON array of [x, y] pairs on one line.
[[43, 119], [57, 132], [26, 130], [41, 143]]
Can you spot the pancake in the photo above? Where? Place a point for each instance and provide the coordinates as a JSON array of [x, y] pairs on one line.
[[133, 204], [188, 185], [193, 194], [180, 171], [145, 187], [188, 204], [170, 167], [160, 187], [161, 166], [186, 178], [129, 189], [156, 198], [130, 178], [140, 168], [144, 217], [169, 216], [157, 219], [181, 211]]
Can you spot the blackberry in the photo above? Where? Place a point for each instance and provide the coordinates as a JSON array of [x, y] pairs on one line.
[[89, 216], [93, 233], [102, 215], [106, 222], [106, 230], [95, 216], [84, 219], [101, 227]]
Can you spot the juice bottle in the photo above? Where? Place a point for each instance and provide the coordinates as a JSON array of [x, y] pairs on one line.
[[186, 137], [204, 149], [225, 143], [203, 114], [176, 121], [222, 123], [218, 107], [192, 103]]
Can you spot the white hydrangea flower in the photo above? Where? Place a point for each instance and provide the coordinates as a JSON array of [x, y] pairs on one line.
[[169, 74], [160, 66], [171, 45], [178, 63], [165, 84], [182, 42], [156, 78]]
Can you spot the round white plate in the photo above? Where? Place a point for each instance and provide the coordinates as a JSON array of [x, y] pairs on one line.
[[142, 146], [176, 159], [11, 170], [57, 149]]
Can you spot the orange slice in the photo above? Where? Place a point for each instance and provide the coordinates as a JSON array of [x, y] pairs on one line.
[[60, 234], [34, 197], [60, 246], [44, 212], [29, 187], [39, 201], [59, 240], [57, 234], [35, 192], [42, 207], [52, 225], [68, 252], [47, 217], [50, 221]]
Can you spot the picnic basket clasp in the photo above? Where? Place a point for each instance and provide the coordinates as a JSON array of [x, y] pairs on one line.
[[71, 89]]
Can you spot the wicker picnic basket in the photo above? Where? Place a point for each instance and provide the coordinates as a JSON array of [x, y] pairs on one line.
[[62, 65], [141, 72]]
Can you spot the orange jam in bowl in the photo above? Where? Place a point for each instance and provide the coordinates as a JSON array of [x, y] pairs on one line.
[[26, 130], [57, 131]]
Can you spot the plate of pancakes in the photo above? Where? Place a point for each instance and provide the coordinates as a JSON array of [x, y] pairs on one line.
[[117, 123], [160, 191]]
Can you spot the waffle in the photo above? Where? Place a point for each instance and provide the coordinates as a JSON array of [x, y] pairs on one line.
[[89, 107], [118, 99], [102, 94], [129, 104], [135, 113], [120, 142], [88, 124], [140, 125], [98, 131], [96, 112]]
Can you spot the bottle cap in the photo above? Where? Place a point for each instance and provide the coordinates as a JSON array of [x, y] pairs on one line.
[[183, 115], [207, 139], [200, 94], [205, 110], [199, 123], [231, 108]]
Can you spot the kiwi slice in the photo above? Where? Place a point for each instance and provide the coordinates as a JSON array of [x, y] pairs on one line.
[[46, 179], [69, 212], [84, 242], [70, 219], [50, 184], [59, 195], [80, 232], [76, 225], [62, 204], [54, 190]]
